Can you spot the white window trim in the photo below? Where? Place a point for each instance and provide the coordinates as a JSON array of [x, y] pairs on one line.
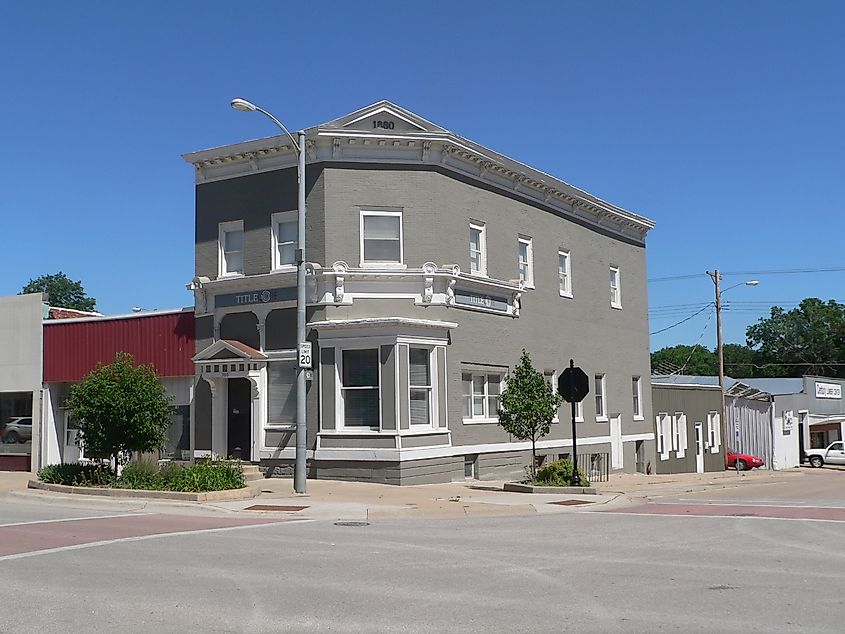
[[679, 422], [553, 375], [663, 428], [603, 418], [529, 253], [340, 409], [277, 219], [432, 388], [482, 419], [714, 431], [618, 303], [567, 292], [638, 415], [222, 229], [482, 245], [382, 264], [579, 412]]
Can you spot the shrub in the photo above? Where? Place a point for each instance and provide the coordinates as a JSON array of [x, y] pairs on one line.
[[208, 475], [558, 474], [76, 474]]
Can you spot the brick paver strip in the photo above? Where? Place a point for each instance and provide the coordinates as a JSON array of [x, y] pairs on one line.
[[24, 538]]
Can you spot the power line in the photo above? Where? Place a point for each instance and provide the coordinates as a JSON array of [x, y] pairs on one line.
[[831, 269], [696, 313]]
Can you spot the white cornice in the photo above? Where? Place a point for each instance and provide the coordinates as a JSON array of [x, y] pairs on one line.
[[430, 145]]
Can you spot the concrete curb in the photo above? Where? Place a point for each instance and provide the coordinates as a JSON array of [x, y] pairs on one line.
[[211, 496], [516, 487]]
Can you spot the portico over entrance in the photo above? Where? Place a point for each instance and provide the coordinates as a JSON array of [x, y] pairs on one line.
[[237, 377]]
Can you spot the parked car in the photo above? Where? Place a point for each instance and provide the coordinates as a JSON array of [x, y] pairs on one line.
[[18, 430], [743, 461], [834, 453]]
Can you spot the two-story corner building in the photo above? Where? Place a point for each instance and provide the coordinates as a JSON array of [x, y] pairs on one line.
[[434, 261]]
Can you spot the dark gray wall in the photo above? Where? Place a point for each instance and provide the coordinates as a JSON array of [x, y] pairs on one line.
[[696, 403], [254, 199]]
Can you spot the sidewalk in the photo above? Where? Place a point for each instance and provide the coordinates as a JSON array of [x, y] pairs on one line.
[[360, 501]]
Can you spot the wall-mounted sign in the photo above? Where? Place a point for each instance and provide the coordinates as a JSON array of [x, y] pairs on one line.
[[255, 297], [788, 421], [828, 390], [464, 297]]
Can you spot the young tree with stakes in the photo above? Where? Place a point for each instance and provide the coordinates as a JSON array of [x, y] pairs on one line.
[[528, 405], [120, 408]]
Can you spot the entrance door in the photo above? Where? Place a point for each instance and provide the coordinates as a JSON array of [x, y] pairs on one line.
[[616, 459], [70, 452], [239, 419], [699, 448], [640, 452]]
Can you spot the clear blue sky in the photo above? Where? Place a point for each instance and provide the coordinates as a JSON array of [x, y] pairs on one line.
[[722, 121]]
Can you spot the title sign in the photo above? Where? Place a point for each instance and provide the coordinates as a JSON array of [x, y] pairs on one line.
[[464, 297], [828, 390], [255, 297]]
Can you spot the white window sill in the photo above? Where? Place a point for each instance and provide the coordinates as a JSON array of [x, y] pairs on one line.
[[616, 306], [639, 418], [285, 268], [480, 421], [567, 295], [229, 276], [383, 265], [579, 420], [664, 456], [357, 431], [479, 274], [529, 287], [271, 427], [602, 419]]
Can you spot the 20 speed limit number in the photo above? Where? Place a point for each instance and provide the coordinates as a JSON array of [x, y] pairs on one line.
[[305, 359]]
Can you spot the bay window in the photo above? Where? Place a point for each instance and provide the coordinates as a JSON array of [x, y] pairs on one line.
[[419, 371], [360, 388]]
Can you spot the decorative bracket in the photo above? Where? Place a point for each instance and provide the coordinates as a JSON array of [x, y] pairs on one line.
[[340, 268], [429, 269]]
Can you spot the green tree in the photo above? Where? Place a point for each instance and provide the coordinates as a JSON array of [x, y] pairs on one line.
[[741, 361], [64, 292], [808, 339], [693, 360], [121, 407], [528, 405]]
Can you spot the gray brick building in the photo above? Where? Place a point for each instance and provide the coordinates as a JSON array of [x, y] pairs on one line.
[[435, 261]]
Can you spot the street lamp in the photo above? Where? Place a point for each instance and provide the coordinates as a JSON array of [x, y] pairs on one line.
[[716, 276], [299, 470]]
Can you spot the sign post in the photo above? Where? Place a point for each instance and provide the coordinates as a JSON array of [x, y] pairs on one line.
[[573, 385]]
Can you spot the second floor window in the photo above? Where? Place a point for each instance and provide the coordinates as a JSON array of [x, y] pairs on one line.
[[636, 390], [564, 273], [615, 288], [284, 239], [381, 237], [231, 248], [525, 260], [477, 248]]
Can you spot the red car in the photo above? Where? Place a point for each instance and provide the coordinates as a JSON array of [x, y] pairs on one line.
[[743, 461]]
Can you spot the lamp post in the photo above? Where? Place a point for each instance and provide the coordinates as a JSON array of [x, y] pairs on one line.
[[299, 469], [716, 276]]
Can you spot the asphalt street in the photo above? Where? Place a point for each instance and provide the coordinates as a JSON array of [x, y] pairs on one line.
[[585, 571]]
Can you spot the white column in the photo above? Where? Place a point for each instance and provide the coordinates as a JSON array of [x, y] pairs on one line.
[[219, 430]]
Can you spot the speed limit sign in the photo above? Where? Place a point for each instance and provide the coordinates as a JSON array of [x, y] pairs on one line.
[[305, 359]]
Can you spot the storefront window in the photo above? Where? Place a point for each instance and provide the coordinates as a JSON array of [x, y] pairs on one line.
[[16, 422]]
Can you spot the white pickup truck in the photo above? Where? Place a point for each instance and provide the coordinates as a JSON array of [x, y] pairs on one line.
[[834, 453]]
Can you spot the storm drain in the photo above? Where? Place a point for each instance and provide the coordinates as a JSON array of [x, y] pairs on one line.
[[275, 507], [351, 523], [570, 502]]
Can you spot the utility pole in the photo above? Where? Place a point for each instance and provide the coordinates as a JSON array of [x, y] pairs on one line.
[[720, 351]]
